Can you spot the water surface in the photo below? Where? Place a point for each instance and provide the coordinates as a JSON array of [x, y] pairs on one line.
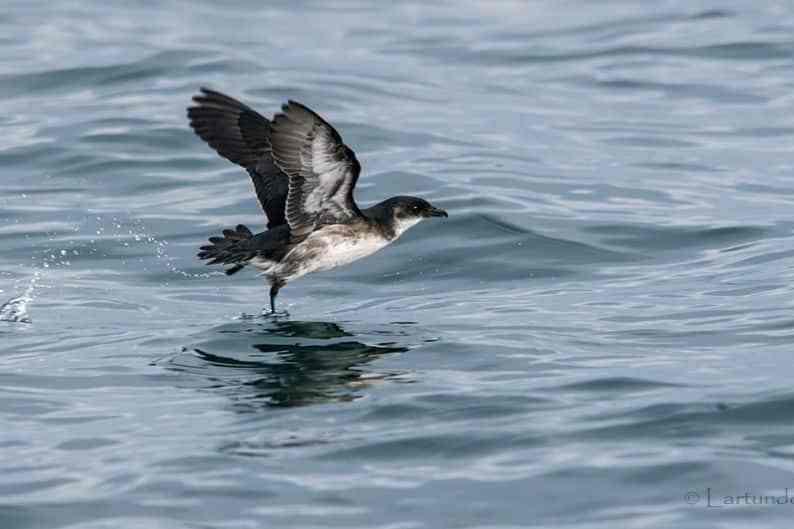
[[602, 326]]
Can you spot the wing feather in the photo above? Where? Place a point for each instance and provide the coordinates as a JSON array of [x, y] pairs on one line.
[[242, 135], [322, 170]]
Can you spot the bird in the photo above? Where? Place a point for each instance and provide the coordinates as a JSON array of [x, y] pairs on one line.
[[304, 177]]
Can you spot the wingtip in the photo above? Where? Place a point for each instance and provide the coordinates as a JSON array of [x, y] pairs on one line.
[[208, 95], [203, 92]]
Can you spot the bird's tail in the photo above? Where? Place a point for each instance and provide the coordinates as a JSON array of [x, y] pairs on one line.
[[230, 250]]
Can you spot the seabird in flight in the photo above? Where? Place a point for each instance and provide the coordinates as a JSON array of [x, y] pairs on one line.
[[303, 176]]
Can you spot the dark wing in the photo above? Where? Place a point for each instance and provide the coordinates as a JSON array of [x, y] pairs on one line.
[[322, 170], [242, 135]]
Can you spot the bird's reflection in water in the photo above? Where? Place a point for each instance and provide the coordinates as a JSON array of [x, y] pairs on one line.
[[262, 362]]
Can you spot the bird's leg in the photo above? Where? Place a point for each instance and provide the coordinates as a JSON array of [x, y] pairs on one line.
[[275, 286]]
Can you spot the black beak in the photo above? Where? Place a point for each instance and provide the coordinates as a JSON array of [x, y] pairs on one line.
[[437, 212]]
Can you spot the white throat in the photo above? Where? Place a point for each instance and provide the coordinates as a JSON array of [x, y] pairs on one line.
[[400, 225]]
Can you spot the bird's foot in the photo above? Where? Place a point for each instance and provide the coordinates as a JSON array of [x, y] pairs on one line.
[[265, 314], [268, 313]]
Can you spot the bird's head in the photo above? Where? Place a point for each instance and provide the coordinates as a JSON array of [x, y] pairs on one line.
[[408, 211]]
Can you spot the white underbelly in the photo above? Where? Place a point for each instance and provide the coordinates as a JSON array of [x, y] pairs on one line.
[[330, 247]]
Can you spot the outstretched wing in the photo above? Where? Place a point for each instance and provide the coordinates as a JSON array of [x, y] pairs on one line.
[[322, 170], [242, 135]]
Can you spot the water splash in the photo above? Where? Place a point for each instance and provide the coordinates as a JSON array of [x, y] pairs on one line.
[[16, 309], [140, 234], [131, 232], [128, 233]]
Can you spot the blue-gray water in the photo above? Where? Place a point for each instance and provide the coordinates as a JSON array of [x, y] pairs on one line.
[[604, 323]]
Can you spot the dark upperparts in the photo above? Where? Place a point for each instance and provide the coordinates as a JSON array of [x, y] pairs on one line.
[[296, 146], [302, 171]]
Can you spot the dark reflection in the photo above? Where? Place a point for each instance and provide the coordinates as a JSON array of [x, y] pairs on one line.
[[270, 362]]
